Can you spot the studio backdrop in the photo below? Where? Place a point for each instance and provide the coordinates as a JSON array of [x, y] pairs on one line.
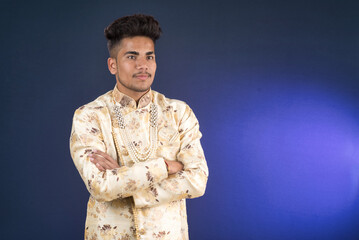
[[274, 85]]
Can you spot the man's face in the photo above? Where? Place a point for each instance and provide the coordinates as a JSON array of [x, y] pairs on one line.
[[134, 66]]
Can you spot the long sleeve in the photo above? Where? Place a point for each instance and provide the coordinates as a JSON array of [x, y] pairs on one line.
[[88, 130], [189, 183]]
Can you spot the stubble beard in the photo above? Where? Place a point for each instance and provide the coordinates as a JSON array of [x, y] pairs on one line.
[[132, 87]]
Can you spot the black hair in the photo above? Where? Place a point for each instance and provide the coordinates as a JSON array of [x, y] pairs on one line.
[[131, 26]]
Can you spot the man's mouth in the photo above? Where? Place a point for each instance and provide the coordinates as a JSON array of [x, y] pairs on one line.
[[142, 76]]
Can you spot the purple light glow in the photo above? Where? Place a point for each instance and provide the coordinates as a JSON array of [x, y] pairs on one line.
[[303, 156]]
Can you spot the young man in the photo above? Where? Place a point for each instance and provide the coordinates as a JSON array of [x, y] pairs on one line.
[[138, 152]]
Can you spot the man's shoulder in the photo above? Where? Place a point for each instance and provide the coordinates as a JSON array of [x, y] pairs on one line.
[[166, 102], [98, 105], [178, 108]]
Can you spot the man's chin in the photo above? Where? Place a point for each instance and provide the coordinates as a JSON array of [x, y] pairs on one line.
[[141, 90]]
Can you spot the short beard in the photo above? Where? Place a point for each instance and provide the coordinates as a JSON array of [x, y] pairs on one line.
[[140, 90]]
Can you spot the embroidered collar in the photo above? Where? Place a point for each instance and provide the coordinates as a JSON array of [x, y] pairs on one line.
[[129, 102]]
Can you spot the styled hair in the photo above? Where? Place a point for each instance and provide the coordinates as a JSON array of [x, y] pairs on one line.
[[131, 26]]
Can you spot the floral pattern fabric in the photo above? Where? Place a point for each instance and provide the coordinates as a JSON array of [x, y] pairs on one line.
[[138, 200]]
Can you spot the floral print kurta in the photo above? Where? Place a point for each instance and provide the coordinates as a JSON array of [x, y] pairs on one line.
[[138, 200]]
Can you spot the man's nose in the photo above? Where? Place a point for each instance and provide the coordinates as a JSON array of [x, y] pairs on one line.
[[141, 63]]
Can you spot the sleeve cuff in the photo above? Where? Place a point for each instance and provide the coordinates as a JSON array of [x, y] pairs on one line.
[[157, 170]]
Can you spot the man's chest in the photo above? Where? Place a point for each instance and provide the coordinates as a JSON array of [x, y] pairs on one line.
[[138, 139]]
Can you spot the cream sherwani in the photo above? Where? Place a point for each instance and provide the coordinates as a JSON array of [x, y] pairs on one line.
[[138, 200]]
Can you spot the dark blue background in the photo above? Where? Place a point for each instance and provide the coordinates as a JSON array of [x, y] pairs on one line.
[[274, 85]]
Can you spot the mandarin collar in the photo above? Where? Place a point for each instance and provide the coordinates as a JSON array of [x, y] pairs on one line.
[[126, 101]]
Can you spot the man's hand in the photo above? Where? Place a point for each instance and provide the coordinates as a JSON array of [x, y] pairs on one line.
[[103, 161], [174, 166]]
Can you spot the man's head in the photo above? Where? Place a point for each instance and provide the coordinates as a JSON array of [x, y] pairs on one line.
[[131, 44], [131, 26]]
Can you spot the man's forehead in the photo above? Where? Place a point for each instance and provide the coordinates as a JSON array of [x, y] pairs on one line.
[[138, 44]]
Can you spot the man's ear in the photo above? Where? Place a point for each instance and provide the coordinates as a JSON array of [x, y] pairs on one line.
[[112, 66]]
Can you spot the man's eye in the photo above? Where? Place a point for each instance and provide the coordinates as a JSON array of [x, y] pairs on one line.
[[131, 57], [150, 57]]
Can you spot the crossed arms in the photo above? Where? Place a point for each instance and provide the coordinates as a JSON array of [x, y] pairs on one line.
[[149, 183], [104, 162]]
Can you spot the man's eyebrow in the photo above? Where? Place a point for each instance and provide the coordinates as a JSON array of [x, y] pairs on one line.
[[132, 52], [137, 53]]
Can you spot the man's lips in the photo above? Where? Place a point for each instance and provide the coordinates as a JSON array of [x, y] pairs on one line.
[[142, 76]]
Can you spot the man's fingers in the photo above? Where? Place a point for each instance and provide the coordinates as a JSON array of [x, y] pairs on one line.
[[103, 159], [100, 167], [99, 161], [110, 161], [104, 155]]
